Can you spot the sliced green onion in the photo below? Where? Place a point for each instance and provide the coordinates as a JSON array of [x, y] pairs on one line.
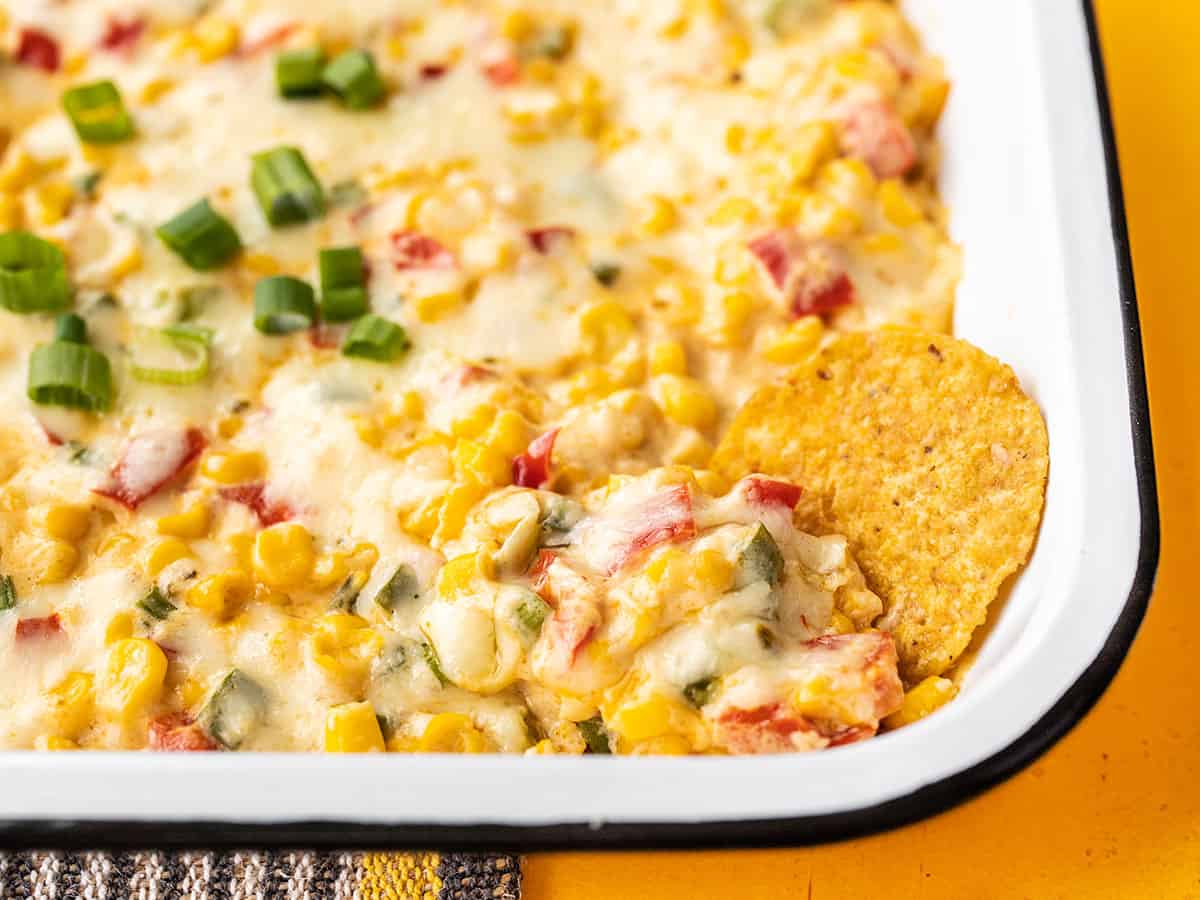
[[286, 188], [8, 593], [33, 274], [354, 78], [156, 605], [201, 236], [98, 113], [283, 304], [343, 284], [68, 372], [372, 337], [298, 72], [176, 356]]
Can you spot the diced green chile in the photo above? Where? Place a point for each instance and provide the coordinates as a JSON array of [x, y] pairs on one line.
[[8, 593], [348, 592], [595, 735], [235, 709], [760, 560], [606, 273], [435, 664], [403, 587], [156, 605], [531, 614], [558, 518], [700, 692]]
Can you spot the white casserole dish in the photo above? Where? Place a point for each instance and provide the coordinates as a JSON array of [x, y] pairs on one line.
[[1032, 184]]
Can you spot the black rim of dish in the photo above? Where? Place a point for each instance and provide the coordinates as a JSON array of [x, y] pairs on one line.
[[800, 831]]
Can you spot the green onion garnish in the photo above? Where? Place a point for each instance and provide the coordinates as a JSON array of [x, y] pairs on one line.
[[372, 337], [68, 372], [298, 72], [286, 188], [156, 605], [33, 274], [201, 236], [283, 304], [98, 113], [177, 355], [8, 593], [353, 77], [343, 284]]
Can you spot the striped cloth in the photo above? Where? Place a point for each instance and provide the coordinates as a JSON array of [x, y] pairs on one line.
[[257, 875]]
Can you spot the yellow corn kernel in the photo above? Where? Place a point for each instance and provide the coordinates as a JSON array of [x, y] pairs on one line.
[[796, 342], [735, 138], [368, 431], [54, 198], [518, 25], [544, 747], [881, 244], [344, 645], [733, 268], [329, 571], [813, 145], [155, 90], [642, 720], [422, 520], [727, 327], [221, 595], [432, 307], [71, 703], [828, 218], [663, 745], [18, 171], [592, 383], [690, 449], [464, 574], [847, 179], [923, 699], [734, 211], [163, 552], [133, 675], [283, 555], [192, 692], [129, 263], [234, 467], [261, 263], [481, 464], [191, 523], [712, 483], [475, 422], [685, 401], [678, 302], [841, 623], [453, 513], [735, 50], [119, 626], [604, 328], [229, 426], [241, 545], [67, 522], [898, 204], [508, 434], [53, 742], [353, 728], [10, 212], [214, 38], [923, 105], [452, 733], [659, 217], [52, 561], [668, 358]]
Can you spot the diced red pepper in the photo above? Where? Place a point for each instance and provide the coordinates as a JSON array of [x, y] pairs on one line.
[[544, 240], [412, 250], [821, 294], [434, 71], [324, 336], [769, 492], [468, 374], [532, 468], [270, 38], [178, 732], [576, 616], [663, 518], [500, 64], [45, 627], [148, 462], [874, 133], [774, 250], [537, 572], [122, 34], [850, 735], [269, 510], [38, 49], [763, 729]]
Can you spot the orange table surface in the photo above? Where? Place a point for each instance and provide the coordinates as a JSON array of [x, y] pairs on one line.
[[1114, 809]]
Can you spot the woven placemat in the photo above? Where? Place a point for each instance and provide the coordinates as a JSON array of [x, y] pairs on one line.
[[258, 875]]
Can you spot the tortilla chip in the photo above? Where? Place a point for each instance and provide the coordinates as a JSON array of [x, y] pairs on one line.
[[923, 451]]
